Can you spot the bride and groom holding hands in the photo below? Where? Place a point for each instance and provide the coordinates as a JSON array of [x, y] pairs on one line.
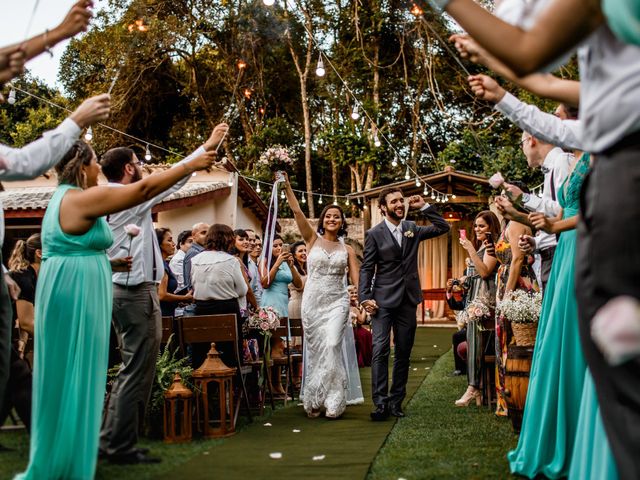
[[389, 289]]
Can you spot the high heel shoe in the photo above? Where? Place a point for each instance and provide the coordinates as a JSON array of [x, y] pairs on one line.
[[468, 397]]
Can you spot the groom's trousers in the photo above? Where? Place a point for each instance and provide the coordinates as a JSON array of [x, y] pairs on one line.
[[402, 320]]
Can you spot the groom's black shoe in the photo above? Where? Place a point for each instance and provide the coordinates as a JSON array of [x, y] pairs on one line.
[[396, 411], [380, 414]]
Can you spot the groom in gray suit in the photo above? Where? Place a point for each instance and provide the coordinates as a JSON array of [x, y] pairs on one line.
[[390, 290]]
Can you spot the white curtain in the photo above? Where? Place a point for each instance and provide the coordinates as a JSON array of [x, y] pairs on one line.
[[432, 268]]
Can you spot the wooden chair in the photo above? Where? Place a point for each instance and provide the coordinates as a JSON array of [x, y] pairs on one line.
[[217, 328], [167, 330], [432, 294]]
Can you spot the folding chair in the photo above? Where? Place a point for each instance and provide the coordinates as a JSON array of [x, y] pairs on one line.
[[217, 328]]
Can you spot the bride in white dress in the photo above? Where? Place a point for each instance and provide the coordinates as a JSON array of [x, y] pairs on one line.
[[330, 367]]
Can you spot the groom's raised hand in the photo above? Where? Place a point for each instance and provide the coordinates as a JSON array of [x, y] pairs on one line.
[[416, 202]]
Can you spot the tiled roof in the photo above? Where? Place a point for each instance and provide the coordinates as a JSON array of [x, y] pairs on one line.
[[37, 198]]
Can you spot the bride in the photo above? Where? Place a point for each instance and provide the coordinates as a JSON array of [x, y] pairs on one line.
[[330, 367]]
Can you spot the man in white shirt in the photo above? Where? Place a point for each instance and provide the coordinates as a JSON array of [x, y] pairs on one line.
[[556, 165], [29, 162], [254, 272], [198, 235], [136, 314], [184, 244]]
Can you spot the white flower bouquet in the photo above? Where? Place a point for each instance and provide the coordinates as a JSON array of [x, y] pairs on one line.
[[276, 158], [521, 306], [522, 309]]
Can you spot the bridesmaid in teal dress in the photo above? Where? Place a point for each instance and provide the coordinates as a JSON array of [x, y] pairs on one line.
[[558, 367], [73, 311], [276, 281]]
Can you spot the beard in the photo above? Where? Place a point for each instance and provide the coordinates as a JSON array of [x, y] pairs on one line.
[[392, 215], [136, 177]]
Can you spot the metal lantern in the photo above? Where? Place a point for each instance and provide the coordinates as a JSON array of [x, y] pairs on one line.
[[213, 381], [177, 412]]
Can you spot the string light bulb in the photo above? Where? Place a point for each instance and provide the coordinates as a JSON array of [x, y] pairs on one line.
[[426, 190], [258, 190], [335, 200], [242, 64], [394, 162], [418, 183], [376, 140], [11, 99], [454, 196], [416, 10], [282, 195], [230, 182], [320, 201], [147, 153], [346, 202], [320, 71], [354, 113], [88, 136], [303, 199], [407, 174], [433, 194]]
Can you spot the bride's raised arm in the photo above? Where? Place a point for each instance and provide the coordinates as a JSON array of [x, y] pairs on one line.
[[306, 230]]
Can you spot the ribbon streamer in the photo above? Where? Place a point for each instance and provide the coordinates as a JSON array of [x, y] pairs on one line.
[[270, 229]]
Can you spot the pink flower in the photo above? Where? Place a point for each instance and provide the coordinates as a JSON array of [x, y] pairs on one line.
[[264, 325], [496, 180], [615, 329], [132, 230], [477, 312]]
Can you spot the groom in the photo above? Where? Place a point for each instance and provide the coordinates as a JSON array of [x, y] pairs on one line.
[[390, 291]]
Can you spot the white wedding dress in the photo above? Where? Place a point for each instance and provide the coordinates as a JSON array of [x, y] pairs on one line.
[[330, 367]]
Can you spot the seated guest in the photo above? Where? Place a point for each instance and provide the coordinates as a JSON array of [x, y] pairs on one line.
[[176, 264], [218, 283], [241, 249], [169, 283], [362, 336]]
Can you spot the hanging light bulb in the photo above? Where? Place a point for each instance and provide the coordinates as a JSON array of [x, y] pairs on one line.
[[269, 3], [366, 207], [346, 202], [320, 71], [230, 182], [89, 135], [454, 196], [282, 195], [540, 193], [11, 99], [303, 199], [426, 190], [354, 113], [418, 183], [376, 140], [394, 162], [147, 153], [433, 194], [335, 200], [407, 174], [258, 190], [445, 198], [320, 201]]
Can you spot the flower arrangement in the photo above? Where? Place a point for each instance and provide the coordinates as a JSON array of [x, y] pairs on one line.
[[265, 320], [408, 234], [276, 158], [479, 309], [521, 306]]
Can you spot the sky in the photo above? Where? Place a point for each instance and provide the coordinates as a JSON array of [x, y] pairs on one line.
[[49, 13]]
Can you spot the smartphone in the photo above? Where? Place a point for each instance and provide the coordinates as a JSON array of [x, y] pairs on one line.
[[491, 248], [286, 248], [463, 233]]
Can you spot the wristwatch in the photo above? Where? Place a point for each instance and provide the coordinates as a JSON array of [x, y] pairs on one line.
[[525, 197]]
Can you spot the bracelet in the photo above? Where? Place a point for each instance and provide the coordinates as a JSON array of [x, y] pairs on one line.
[[47, 47]]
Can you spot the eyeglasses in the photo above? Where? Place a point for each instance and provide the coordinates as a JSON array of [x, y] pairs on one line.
[[524, 140]]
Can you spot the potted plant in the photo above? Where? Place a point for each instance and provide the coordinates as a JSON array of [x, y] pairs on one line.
[[522, 309]]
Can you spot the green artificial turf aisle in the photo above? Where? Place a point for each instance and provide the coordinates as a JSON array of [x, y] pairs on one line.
[[442, 441], [347, 446]]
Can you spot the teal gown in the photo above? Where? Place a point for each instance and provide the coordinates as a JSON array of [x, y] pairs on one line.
[[558, 367], [592, 458], [72, 315], [276, 295]]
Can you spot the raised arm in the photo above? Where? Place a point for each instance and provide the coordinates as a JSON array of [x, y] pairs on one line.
[[439, 225], [306, 230], [80, 208], [558, 29], [76, 21]]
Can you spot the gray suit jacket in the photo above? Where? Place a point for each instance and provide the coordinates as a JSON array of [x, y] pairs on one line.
[[389, 271]]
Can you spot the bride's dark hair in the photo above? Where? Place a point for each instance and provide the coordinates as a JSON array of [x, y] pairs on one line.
[[343, 228]]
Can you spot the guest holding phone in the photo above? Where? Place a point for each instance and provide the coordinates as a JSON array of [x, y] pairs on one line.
[[169, 283], [480, 280]]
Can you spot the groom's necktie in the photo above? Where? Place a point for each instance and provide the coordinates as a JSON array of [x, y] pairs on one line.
[[398, 234]]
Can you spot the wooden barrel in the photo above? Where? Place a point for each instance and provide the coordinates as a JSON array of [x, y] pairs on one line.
[[516, 382]]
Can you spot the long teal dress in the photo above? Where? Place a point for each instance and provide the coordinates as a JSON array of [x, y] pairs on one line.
[[72, 315], [592, 458], [277, 294], [558, 367]]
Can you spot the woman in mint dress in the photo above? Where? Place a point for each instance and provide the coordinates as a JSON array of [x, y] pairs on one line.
[[73, 311], [276, 281], [558, 367]]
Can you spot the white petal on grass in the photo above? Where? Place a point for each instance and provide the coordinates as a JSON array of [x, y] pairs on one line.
[[415, 369], [268, 425], [318, 457], [276, 455], [295, 430]]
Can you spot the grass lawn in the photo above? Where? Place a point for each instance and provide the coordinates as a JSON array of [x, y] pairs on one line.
[[441, 441]]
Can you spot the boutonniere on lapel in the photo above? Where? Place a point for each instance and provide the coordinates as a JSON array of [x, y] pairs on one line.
[[408, 234]]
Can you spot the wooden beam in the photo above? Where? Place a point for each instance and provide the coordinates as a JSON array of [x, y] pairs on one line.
[[25, 213]]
